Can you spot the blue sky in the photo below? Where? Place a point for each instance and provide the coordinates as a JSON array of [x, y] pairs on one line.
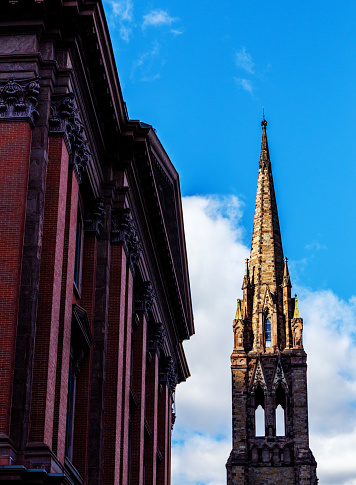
[[200, 73]]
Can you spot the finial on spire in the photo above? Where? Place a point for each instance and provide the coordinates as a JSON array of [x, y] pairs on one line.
[[296, 309], [246, 267], [238, 315], [286, 271], [264, 121]]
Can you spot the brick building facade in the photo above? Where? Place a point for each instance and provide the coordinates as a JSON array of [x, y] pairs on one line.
[[94, 286], [268, 363]]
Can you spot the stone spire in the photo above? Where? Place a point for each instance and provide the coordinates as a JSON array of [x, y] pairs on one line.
[[266, 261]]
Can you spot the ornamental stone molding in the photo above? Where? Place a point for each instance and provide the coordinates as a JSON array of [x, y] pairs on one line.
[[279, 377], [168, 373], [259, 378], [18, 100], [123, 231], [65, 120], [156, 336], [144, 298], [94, 217]]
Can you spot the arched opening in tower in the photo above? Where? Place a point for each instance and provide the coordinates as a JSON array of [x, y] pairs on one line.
[[260, 428], [280, 411]]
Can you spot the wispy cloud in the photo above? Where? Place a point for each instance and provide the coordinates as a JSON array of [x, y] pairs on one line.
[[244, 61], [177, 32], [315, 246], [244, 84], [146, 66], [122, 16], [157, 18]]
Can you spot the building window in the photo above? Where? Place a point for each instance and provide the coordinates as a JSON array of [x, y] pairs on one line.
[[79, 250], [268, 331], [81, 340], [72, 384], [260, 428]]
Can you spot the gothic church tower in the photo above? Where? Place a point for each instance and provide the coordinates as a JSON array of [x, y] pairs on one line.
[[268, 363]]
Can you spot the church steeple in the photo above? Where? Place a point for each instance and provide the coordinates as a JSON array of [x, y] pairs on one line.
[[270, 440]]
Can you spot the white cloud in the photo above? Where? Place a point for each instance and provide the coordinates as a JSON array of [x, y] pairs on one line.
[[245, 84], [122, 16], [202, 433], [244, 61], [199, 460], [216, 257], [146, 66], [156, 18]]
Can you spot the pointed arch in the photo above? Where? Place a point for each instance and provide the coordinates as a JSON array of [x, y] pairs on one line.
[[260, 426], [280, 411]]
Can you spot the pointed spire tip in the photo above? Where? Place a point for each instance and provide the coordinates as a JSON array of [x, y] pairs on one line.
[[264, 121], [296, 309]]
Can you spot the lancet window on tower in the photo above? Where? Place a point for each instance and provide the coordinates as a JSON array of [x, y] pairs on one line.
[[259, 412], [268, 331], [280, 411]]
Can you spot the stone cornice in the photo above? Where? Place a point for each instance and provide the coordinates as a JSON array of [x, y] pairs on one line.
[[18, 100]]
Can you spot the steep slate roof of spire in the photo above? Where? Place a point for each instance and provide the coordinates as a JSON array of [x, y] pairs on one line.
[[266, 260]]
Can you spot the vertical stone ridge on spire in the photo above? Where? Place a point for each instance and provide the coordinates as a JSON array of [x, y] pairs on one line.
[[266, 259]]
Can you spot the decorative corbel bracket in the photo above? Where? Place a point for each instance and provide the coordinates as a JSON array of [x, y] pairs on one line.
[[94, 217], [65, 120], [123, 231], [144, 298]]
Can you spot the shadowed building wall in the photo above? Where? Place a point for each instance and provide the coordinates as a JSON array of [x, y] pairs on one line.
[[94, 285]]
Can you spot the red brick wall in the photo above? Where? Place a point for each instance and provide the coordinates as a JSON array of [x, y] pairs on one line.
[[139, 356], [126, 381], [81, 430], [65, 321], [45, 360], [152, 419], [164, 434], [114, 365], [14, 160]]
